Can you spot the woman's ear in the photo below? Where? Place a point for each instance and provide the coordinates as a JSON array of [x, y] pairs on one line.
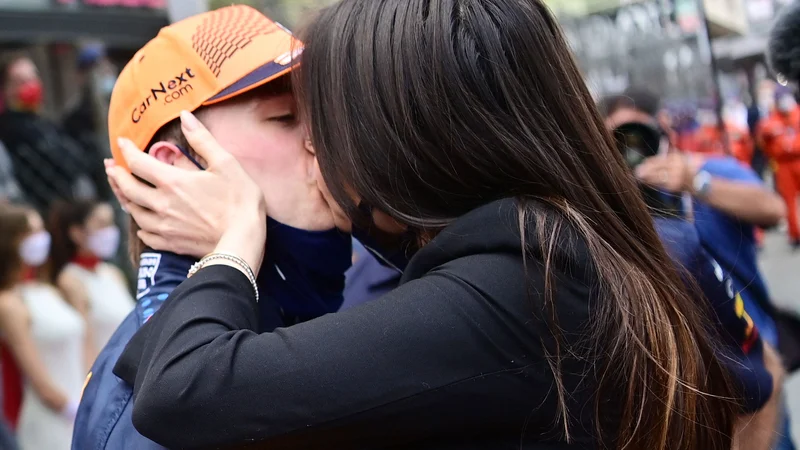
[[166, 152], [308, 145]]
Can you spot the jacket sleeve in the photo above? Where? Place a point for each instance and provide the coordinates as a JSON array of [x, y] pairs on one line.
[[744, 344], [205, 378]]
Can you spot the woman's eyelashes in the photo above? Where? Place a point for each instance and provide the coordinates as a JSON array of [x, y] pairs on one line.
[[285, 119]]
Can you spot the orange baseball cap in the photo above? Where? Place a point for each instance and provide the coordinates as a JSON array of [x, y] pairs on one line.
[[202, 60]]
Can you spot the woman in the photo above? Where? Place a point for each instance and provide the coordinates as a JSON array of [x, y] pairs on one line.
[[84, 237], [539, 309], [44, 334]]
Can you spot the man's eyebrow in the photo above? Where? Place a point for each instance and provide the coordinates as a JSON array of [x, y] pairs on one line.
[[274, 100]]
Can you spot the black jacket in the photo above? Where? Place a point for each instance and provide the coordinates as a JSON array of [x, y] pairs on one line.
[[49, 165], [453, 358]]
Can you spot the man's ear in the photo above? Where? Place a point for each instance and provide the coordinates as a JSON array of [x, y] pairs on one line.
[[166, 152]]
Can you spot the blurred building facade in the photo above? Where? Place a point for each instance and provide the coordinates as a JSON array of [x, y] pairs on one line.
[[53, 31], [290, 13], [671, 46], [662, 44]]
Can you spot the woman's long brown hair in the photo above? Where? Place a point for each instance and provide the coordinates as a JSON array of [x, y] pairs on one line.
[[63, 216], [430, 108], [14, 225]]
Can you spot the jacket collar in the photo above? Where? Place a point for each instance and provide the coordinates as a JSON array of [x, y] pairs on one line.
[[494, 228]]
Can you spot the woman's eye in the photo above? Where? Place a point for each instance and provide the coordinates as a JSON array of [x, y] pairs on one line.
[[285, 119]]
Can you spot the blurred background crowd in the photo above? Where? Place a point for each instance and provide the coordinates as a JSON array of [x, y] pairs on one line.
[[704, 59]]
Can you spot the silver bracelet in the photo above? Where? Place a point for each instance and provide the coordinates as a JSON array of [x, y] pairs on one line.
[[242, 264]]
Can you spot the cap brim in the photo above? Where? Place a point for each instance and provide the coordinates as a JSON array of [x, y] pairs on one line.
[[254, 79]]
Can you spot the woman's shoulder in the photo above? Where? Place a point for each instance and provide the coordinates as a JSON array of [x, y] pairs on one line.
[[72, 273], [509, 234], [10, 297], [69, 279], [12, 305]]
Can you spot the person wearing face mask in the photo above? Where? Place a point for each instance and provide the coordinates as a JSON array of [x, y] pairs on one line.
[[84, 239], [49, 164], [778, 136], [42, 334]]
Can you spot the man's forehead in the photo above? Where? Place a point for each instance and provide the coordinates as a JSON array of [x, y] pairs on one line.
[[627, 114], [273, 100]]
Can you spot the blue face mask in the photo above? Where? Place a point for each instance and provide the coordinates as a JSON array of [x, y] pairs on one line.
[[393, 251]]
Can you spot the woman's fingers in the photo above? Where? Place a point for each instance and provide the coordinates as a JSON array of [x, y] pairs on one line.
[[146, 219], [123, 201], [201, 140], [156, 242], [145, 166], [133, 191]]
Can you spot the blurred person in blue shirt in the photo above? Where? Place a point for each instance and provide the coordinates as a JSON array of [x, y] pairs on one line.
[[723, 199]]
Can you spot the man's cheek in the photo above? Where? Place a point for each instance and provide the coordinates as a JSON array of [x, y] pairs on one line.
[[268, 169]]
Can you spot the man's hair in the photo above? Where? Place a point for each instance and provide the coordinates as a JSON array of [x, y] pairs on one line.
[[639, 99], [171, 132]]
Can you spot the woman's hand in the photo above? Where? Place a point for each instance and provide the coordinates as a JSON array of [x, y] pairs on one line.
[[193, 213]]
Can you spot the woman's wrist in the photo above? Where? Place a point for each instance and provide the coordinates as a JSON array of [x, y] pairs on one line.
[[229, 260], [245, 239]]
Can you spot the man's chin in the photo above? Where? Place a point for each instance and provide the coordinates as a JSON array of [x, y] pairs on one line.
[[310, 218]]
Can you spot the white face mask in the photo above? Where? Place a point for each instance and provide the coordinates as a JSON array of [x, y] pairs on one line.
[[35, 249], [104, 243], [786, 103]]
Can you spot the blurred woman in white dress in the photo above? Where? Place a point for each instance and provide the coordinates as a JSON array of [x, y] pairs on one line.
[[84, 238], [44, 333]]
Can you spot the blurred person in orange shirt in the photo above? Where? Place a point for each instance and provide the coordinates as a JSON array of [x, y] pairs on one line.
[[709, 138], [777, 135], [741, 144]]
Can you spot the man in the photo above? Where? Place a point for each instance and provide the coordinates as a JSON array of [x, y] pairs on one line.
[[725, 201], [49, 164], [240, 89], [777, 134]]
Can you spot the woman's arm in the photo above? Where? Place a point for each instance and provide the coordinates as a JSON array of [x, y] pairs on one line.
[[757, 431], [15, 325], [76, 295], [382, 369]]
